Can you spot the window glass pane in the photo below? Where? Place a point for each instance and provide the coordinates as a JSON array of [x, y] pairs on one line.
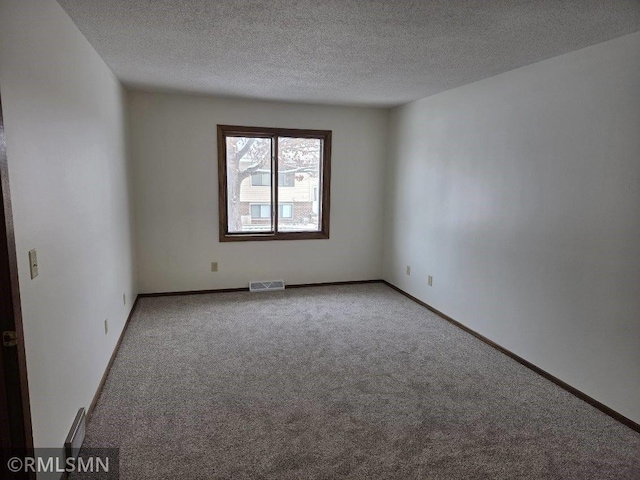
[[299, 163], [247, 156]]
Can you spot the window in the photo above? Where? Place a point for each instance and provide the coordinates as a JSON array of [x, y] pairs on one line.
[[286, 210], [263, 210], [286, 179], [263, 179], [255, 157]]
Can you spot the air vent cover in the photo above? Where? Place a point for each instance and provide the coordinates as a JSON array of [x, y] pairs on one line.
[[76, 436], [266, 286]]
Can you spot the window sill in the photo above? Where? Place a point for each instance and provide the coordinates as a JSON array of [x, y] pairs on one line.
[[260, 237]]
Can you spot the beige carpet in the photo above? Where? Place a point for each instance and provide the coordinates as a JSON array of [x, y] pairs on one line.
[[337, 382]]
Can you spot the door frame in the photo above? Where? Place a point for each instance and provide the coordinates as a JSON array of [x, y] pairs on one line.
[[14, 373]]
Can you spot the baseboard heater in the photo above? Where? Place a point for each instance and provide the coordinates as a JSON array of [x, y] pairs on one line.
[[269, 286], [75, 438]]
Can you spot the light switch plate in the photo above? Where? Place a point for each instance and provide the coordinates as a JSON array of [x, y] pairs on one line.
[[33, 263]]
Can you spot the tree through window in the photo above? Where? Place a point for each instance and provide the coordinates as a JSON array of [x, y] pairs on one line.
[[250, 159]]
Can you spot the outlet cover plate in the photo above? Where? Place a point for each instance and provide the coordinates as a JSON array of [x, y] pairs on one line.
[[33, 263]]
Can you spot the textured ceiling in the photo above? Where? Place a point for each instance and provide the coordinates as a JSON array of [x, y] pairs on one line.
[[366, 52]]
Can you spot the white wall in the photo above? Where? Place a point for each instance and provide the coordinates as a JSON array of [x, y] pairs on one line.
[[64, 117], [176, 194], [520, 194]]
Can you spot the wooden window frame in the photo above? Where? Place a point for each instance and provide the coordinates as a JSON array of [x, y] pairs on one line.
[[324, 189]]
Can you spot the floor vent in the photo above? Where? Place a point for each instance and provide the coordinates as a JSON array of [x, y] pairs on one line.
[[76, 435], [266, 286]]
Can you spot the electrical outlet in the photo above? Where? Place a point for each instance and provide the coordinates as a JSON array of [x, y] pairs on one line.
[[106, 326], [124, 298], [431, 280], [408, 270], [214, 266]]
